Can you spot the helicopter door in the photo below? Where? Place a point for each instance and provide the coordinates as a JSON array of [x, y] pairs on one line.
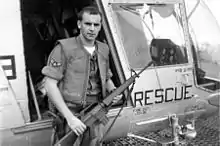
[[146, 31]]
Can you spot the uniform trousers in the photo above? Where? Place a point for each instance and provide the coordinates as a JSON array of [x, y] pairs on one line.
[[92, 136]]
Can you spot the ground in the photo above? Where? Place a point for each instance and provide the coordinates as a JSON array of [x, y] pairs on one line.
[[208, 134]]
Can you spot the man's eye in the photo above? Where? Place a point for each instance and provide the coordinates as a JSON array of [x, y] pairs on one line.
[[89, 24], [96, 24]]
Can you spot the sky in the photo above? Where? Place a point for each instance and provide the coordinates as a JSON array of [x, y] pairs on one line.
[[214, 6], [205, 26]]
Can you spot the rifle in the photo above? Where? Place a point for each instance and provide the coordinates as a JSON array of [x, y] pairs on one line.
[[97, 111]]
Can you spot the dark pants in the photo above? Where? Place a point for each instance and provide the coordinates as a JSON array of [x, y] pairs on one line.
[[87, 140], [91, 137]]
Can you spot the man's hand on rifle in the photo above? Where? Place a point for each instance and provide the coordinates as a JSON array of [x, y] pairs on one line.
[[117, 98], [76, 125]]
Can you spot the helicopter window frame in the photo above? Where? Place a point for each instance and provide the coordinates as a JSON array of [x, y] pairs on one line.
[[185, 51]]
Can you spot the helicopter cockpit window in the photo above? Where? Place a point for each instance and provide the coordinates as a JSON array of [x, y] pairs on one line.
[[151, 32], [205, 33], [165, 52]]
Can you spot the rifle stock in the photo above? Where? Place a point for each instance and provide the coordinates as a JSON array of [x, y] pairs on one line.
[[98, 111]]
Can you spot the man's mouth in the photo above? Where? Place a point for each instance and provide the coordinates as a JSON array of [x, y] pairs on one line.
[[91, 34]]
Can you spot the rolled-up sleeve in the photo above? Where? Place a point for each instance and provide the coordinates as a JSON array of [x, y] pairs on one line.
[[55, 64]]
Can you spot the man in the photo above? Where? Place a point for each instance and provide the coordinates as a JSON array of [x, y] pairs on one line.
[[78, 74]]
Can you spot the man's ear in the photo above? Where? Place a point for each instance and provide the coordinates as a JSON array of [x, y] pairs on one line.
[[79, 24]]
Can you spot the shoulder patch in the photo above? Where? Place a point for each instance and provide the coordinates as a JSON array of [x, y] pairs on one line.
[[54, 63]]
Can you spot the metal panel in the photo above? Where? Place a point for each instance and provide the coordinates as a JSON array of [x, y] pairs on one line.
[[34, 126], [10, 112], [12, 47]]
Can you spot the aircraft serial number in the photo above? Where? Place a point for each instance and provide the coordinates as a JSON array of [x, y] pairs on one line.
[[157, 96]]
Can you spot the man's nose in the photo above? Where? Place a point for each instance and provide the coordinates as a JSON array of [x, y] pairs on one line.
[[92, 27]]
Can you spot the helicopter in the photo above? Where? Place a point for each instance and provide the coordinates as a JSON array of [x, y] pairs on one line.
[[182, 84]]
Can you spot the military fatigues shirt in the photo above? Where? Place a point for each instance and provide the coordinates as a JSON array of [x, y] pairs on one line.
[[71, 71]]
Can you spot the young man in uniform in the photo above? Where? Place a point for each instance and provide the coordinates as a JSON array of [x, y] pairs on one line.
[[78, 74]]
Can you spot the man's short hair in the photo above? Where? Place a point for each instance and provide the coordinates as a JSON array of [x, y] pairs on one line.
[[92, 10]]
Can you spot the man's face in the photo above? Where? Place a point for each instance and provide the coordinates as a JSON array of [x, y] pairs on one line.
[[90, 26]]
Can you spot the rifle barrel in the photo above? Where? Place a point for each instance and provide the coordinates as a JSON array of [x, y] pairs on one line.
[[107, 101]]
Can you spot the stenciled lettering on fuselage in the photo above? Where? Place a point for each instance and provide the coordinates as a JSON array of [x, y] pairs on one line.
[[8, 65], [157, 96]]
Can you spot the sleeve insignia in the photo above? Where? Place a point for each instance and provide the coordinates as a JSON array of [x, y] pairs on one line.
[[54, 63]]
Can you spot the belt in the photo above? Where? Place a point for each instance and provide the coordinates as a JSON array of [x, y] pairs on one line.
[[75, 108], [92, 98], [89, 100]]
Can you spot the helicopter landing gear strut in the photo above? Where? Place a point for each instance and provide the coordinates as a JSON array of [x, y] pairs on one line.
[[184, 131], [180, 133]]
